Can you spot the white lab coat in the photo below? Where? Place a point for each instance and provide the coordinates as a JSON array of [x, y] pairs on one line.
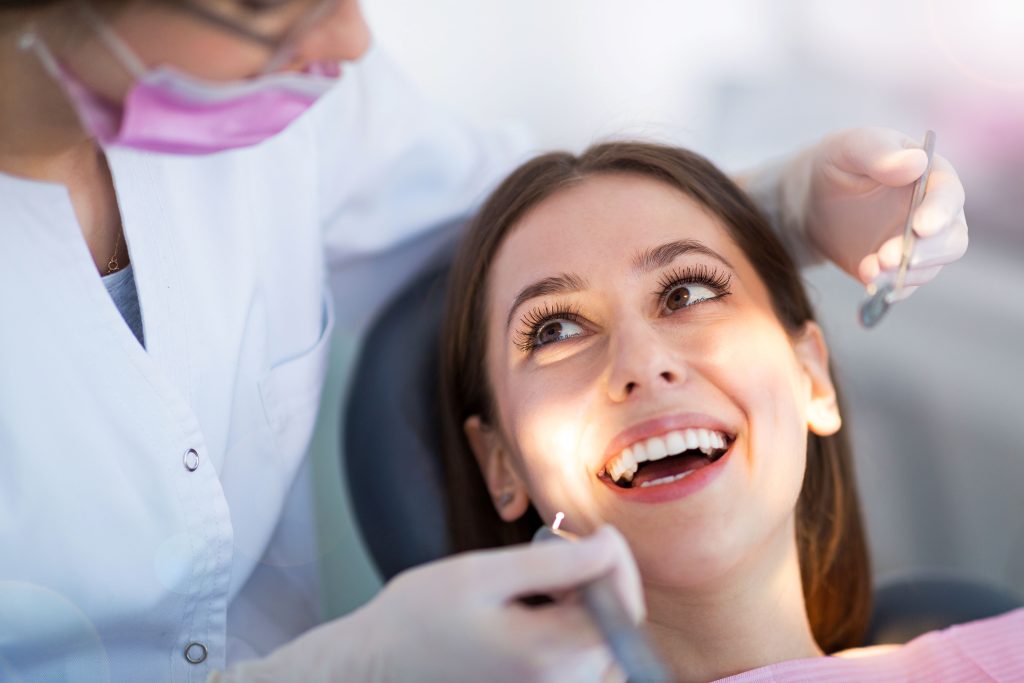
[[114, 554]]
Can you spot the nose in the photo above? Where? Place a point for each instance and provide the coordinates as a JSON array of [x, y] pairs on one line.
[[343, 36], [642, 361]]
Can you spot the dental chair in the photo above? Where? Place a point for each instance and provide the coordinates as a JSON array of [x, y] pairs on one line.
[[396, 483]]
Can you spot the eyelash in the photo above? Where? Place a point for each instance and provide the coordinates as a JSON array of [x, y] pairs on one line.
[[716, 280], [532, 323], [526, 336]]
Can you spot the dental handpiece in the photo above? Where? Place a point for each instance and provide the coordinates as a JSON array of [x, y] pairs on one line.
[[627, 642]]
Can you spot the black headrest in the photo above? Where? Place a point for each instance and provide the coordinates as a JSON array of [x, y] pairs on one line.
[[922, 601], [391, 431]]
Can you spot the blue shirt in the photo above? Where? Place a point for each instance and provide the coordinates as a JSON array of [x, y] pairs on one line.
[[121, 286]]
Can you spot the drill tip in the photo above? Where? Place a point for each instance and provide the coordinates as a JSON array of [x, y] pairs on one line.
[[559, 516]]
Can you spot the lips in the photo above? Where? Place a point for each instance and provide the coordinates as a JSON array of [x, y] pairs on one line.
[[673, 453], [665, 452]]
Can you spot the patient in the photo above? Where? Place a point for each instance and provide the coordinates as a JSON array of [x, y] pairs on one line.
[[627, 342]]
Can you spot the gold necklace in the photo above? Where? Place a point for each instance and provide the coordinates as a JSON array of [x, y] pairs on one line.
[[112, 264]]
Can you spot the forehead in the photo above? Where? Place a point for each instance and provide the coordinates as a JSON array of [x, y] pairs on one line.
[[598, 225]]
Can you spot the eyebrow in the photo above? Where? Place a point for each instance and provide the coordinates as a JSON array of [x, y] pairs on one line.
[[654, 258], [557, 284], [644, 261]]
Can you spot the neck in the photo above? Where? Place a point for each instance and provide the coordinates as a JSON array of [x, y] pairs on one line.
[[41, 138], [752, 616]]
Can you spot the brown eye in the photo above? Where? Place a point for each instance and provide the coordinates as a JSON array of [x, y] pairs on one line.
[[557, 330], [686, 295], [678, 298]]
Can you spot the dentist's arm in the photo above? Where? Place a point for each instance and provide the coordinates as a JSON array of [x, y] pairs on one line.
[[460, 620], [845, 199]]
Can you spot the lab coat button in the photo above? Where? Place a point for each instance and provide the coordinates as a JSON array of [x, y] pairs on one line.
[[196, 653], [191, 460]]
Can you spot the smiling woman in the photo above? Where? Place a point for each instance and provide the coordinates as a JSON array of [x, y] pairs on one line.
[[628, 342]]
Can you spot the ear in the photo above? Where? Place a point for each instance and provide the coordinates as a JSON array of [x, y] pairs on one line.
[[823, 416], [507, 490]]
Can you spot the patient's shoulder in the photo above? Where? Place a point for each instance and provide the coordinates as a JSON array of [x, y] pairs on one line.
[[985, 650], [995, 645], [866, 651], [993, 629]]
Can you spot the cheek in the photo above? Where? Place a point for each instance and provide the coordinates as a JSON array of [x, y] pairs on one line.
[[769, 386], [547, 422], [750, 360]]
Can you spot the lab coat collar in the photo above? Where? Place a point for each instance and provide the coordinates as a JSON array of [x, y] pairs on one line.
[[52, 246]]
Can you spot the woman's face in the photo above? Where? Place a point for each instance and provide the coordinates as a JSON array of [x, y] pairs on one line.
[[641, 378]]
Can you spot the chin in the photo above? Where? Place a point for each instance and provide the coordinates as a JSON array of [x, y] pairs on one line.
[[689, 557]]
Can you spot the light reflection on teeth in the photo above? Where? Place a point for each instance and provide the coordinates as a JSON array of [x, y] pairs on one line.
[[624, 466], [614, 469], [629, 464]]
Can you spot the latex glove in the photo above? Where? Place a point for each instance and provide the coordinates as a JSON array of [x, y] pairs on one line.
[[848, 196], [459, 620]]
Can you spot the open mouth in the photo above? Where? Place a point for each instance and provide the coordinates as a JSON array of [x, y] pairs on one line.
[[666, 458]]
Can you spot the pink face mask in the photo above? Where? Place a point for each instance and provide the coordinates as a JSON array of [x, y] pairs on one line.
[[171, 112]]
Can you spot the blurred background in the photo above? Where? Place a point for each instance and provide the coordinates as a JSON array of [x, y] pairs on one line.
[[935, 394]]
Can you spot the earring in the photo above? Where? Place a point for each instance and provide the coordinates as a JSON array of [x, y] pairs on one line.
[[505, 498]]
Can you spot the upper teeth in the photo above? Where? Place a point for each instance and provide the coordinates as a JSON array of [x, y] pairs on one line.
[[624, 465]]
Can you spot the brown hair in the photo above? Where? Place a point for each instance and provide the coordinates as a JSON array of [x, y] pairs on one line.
[[830, 538]]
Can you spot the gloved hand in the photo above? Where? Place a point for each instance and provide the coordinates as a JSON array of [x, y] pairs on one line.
[[459, 620], [848, 197]]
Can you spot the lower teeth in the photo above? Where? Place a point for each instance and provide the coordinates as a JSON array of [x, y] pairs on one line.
[[667, 480]]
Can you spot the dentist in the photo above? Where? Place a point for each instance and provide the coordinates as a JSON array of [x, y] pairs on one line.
[[177, 180]]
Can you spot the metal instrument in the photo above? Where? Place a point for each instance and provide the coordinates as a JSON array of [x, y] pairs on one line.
[[626, 640], [874, 308]]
